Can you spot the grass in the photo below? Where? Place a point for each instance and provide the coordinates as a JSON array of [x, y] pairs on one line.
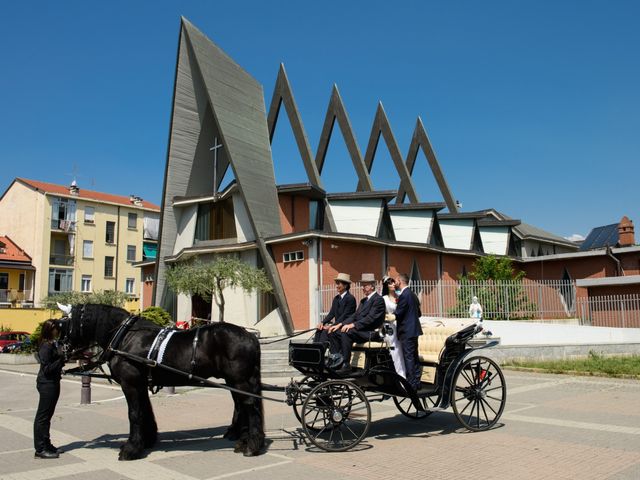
[[594, 364]]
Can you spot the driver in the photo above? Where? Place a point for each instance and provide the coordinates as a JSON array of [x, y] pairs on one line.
[[344, 304], [358, 326]]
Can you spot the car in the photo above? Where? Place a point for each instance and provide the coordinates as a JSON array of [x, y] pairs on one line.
[[16, 347], [8, 338]]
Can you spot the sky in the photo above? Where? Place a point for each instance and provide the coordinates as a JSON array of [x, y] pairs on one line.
[[533, 108]]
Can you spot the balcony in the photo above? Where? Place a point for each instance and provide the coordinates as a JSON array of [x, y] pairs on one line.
[[64, 225], [15, 297], [62, 260]]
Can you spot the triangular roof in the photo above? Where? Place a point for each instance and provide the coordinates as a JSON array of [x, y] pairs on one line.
[[213, 95], [11, 252]]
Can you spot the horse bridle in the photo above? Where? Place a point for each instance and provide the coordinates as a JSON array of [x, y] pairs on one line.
[[114, 341], [65, 341]]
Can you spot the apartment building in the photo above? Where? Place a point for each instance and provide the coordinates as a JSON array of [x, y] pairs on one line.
[[79, 239]]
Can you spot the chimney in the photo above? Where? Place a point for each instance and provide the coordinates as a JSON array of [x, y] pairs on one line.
[[626, 236], [135, 200], [74, 189]]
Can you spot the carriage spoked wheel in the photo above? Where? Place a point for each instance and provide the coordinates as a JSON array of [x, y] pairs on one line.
[[479, 393], [409, 409], [336, 415], [304, 387]]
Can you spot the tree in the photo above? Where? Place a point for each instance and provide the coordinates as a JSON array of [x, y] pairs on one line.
[[210, 279], [499, 290], [105, 297], [494, 268]]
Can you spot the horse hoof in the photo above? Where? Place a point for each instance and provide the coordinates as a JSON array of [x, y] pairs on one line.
[[128, 453], [240, 447]]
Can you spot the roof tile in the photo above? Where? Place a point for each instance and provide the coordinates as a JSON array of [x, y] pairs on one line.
[[86, 194]]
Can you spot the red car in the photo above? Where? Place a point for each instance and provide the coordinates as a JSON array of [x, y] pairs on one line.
[[8, 338]]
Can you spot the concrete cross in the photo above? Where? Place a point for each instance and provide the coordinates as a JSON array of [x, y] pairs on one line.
[[214, 149]]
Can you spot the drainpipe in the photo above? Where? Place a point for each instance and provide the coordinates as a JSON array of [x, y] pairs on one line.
[[117, 233], [619, 269]]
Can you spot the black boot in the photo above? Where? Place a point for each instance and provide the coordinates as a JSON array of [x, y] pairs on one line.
[[45, 454], [54, 449]]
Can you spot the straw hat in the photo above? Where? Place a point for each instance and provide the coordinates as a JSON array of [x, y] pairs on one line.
[[343, 277], [368, 278]]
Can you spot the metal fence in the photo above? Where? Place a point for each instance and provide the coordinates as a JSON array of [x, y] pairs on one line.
[[514, 300], [610, 311]]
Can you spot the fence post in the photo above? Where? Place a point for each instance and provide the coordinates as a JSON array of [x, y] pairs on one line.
[[440, 301], [506, 295], [622, 310], [540, 309]]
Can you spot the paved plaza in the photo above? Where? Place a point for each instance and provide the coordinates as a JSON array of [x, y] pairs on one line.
[[554, 427]]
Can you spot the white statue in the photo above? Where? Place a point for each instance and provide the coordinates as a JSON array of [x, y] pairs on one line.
[[475, 309]]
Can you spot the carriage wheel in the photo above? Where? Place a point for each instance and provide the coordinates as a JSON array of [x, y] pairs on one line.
[[479, 393], [408, 408], [304, 387], [336, 415]]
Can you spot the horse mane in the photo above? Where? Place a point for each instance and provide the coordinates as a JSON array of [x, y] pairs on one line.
[[96, 322]]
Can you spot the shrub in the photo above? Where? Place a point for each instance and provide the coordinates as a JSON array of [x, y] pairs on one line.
[[105, 297], [157, 315]]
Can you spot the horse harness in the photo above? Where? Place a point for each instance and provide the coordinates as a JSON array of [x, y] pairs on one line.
[[158, 347], [107, 353]]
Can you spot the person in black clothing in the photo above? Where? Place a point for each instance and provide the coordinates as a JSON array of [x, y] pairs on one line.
[[48, 384], [409, 329], [344, 304], [359, 326]]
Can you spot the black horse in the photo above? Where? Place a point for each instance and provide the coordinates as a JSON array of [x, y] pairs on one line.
[[222, 350]]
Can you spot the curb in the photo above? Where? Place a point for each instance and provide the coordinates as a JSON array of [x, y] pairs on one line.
[[576, 373]]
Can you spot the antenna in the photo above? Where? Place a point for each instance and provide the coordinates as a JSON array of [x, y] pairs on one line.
[[74, 175]]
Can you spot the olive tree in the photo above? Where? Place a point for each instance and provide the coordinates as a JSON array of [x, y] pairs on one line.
[[499, 288], [208, 280]]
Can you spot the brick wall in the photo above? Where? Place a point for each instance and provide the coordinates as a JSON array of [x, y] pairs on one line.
[[295, 281], [401, 261], [294, 213], [585, 267], [454, 265], [350, 257]]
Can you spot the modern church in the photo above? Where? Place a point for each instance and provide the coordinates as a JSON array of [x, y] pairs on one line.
[[302, 235]]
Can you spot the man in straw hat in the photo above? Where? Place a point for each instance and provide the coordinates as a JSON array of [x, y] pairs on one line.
[[344, 304], [358, 326]]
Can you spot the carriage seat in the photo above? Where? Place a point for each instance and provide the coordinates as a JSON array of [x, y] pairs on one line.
[[432, 341], [430, 344], [434, 335]]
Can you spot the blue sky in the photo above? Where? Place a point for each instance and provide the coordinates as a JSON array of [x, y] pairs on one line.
[[533, 108]]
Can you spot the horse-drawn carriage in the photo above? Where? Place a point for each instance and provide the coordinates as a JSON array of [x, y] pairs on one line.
[[335, 411]]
